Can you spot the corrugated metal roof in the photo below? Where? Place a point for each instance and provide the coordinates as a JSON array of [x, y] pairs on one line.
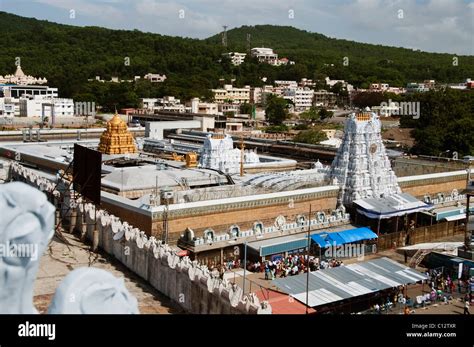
[[344, 282], [389, 206]]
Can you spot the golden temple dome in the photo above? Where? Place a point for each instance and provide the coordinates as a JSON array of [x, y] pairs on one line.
[[117, 139]]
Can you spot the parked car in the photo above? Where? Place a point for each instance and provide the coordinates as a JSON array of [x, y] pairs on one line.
[[135, 123]]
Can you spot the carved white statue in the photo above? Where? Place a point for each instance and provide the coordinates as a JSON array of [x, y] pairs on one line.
[[26, 226], [93, 291]]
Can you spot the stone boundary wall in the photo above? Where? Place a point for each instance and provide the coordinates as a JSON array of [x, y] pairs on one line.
[[187, 282]]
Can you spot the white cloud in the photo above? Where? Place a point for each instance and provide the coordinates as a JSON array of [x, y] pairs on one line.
[[99, 9], [433, 25]]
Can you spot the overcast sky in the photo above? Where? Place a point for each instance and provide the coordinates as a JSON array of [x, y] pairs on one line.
[[429, 25]]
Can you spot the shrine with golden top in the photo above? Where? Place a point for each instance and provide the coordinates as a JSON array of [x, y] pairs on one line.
[[117, 139]]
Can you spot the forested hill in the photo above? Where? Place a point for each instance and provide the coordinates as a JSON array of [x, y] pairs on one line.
[[367, 62], [68, 55]]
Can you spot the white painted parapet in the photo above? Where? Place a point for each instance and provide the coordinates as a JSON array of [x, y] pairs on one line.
[[187, 282]]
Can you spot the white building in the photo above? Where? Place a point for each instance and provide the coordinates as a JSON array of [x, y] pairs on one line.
[[7, 108], [203, 107], [20, 78], [302, 98], [229, 107], [378, 87], [232, 94], [166, 103], [155, 78], [306, 82], [236, 58], [416, 88], [286, 84], [45, 107], [18, 91], [265, 55], [323, 98], [331, 83], [258, 94]]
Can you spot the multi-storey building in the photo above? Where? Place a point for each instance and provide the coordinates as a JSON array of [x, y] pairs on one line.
[[166, 103], [230, 94], [258, 94], [17, 91], [331, 83], [323, 98], [203, 107], [236, 58], [286, 84], [302, 98], [37, 106], [265, 55]]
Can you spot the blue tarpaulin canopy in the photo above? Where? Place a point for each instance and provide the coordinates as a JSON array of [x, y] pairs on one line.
[[328, 239], [342, 237], [359, 234]]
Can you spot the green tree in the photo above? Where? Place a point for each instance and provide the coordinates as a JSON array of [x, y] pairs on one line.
[[310, 115], [445, 122], [277, 110], [311, 136], [246, 108], [325, 114]]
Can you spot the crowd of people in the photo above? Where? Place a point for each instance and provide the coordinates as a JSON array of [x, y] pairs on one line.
[[440, 282], [396, 299], [443, 288], [291, 266]]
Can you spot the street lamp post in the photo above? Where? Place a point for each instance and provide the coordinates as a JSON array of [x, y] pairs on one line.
[[245, 265], [307, 259]]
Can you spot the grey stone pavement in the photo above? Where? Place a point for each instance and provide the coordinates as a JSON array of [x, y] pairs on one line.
[[60, 259]]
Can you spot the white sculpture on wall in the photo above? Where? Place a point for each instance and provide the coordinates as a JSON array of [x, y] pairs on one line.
[[361, 165], [93, 291], [218, 153], [26, 227]]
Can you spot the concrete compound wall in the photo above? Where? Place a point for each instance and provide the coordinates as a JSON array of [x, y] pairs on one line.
[[154, 130], [186, 282], [432, 184]]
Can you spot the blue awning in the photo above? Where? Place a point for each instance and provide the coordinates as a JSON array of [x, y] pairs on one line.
[[327, 239], [359, 234], [320, 241], [342, 237]]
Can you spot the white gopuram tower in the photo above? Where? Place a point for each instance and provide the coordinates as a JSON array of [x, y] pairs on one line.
[[361, 166], [218, 153]]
